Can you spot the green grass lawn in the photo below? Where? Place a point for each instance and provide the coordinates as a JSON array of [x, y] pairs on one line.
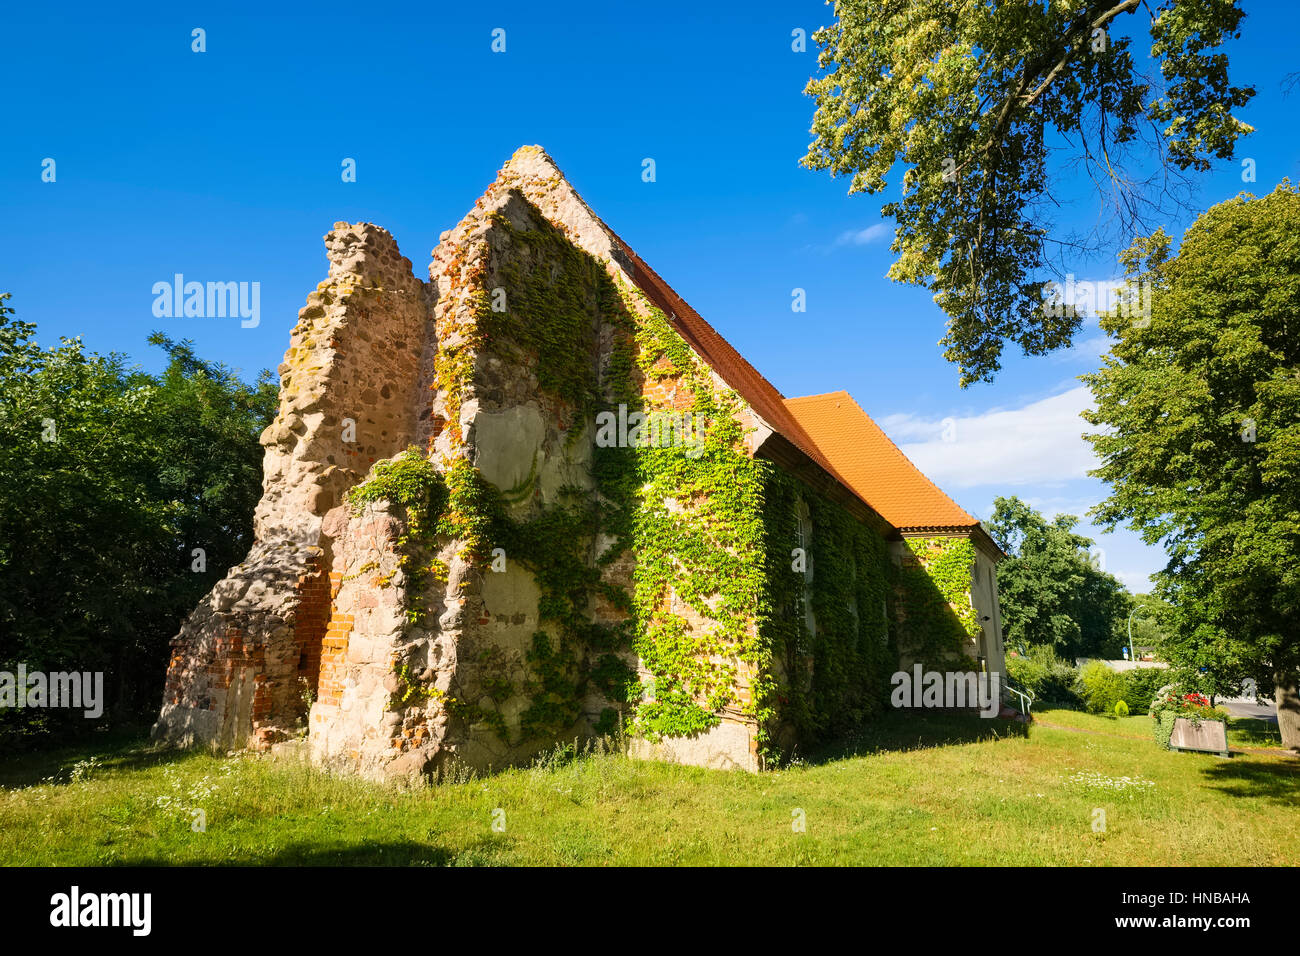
[[929, 790]]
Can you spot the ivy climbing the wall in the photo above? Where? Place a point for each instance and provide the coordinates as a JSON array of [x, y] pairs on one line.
[[552, 295], [411, 481], [939, 618], [714, 607], [852, 654], [539, 309], [697, 533], [834, 677]]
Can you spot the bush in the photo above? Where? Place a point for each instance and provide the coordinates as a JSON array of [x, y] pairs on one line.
[[1059, 686], [1140, 686], [1026, 674], [1046, 676], [124, 497], [1121, 709], [1100, 687]]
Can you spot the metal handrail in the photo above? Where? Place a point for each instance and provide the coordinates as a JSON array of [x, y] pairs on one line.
[[1026, 697]]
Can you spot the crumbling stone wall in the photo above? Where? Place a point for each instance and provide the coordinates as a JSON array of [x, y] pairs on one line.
[[400, 696], [366, 719], [346, 400], [353, 360]]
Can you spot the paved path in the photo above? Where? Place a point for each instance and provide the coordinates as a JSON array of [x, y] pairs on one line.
[[1247, 707]]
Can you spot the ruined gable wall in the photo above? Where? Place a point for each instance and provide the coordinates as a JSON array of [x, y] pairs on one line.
[[732, 742], [480, 691], [493, 407], [233, 678]]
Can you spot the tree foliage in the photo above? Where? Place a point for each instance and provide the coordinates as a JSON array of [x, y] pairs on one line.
[[972, 98], [109, 479], [1051, 593], [1151, 621], [1201, 438]]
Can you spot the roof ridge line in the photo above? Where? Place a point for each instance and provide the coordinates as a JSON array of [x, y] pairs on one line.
[[801, 398]]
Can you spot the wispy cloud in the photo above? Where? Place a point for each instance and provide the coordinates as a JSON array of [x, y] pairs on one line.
[[861, 237], [852, 238]]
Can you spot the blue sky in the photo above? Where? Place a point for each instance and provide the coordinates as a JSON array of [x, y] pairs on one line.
[[225, 166]]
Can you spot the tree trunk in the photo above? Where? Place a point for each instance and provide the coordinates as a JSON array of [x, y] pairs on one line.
[[1287, 696]]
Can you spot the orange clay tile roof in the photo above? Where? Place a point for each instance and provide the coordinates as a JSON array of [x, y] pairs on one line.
[[873, 466]]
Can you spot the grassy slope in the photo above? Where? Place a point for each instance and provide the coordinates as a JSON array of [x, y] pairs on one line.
[[931, 789]]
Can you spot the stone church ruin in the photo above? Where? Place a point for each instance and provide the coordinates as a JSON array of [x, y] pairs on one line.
[[485, 528]]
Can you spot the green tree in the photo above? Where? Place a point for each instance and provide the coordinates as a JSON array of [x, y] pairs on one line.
[[1203, 657], [1152, 621], [972, 98], [1051, 593], [1201, 445], [110, 478]]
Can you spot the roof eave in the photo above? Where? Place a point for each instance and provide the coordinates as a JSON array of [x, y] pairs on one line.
[[974, 531]]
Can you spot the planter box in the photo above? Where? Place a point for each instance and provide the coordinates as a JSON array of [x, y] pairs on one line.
[[1208, 736]]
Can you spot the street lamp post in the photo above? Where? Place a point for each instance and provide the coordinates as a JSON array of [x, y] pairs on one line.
[[1130, 629]]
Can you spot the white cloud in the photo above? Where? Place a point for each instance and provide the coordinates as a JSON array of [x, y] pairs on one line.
[[862, 237], [1035, 451], [880, 232], [1037, 444]]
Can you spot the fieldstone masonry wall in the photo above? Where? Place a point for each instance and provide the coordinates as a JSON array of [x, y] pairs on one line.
[[347, 384]]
